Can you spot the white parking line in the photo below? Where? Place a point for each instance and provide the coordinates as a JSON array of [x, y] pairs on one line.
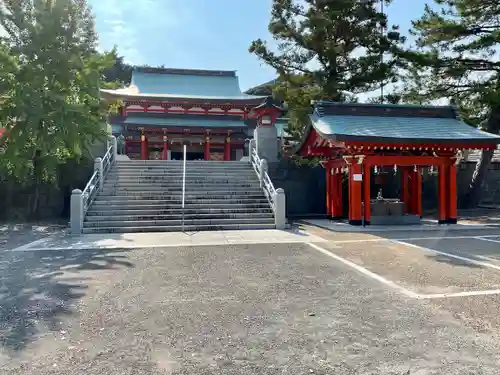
[[472, 293], [405, 291], [366, 272], [449, 255], [413, 239], [487, 239]]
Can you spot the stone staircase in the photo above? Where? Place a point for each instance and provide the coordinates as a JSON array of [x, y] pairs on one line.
[[146, 196]]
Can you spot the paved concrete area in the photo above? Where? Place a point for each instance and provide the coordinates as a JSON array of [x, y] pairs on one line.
[[15, 235], [262, 302], [167, 239], [230, 309], [426, 225]]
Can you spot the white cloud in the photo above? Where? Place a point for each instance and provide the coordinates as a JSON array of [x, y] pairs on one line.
[[136, 26]]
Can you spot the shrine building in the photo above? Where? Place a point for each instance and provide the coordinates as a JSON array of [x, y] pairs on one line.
[[163, 109], [355, 141]]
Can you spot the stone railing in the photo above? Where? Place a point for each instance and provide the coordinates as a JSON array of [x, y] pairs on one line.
[[276, 197], [82, 200]]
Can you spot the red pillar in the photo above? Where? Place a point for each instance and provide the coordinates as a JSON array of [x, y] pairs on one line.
[[329, 191], [340, 192], [227, 149], [405, 188], [452, 194], [206, 150], [165, 148], [418, 192], [442, 196], [337, 194], [355, 177], [367, 196], [144, 148]]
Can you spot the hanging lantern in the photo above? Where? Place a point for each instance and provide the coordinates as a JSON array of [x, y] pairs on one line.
[[395, 169], [375, 170], [431, 170], [415, 169]]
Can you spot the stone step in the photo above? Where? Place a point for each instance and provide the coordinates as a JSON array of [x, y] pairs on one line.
[[176, 222], [180, 168], [169, 205], [222, 164], [173, 203], [153, 185], [191, 175], [178, 228], [177, 195], [143, 211], [161, 179], [178, 216], [191, 189]]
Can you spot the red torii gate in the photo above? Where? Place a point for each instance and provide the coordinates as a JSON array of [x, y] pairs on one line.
[[355, 138]]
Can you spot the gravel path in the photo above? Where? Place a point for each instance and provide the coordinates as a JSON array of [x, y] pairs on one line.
[[247, 309]]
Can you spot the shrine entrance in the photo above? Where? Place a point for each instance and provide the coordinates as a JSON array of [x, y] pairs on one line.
[[354, 141]]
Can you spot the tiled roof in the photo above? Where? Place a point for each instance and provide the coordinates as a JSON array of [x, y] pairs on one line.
[[184, 122], [392, 123], [193, 84]]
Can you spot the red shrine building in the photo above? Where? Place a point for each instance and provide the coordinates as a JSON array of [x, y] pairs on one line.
[[164, 109], [356, 140]]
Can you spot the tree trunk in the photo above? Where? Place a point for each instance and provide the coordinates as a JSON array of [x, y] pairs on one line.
[[473, 196], [37, 171]]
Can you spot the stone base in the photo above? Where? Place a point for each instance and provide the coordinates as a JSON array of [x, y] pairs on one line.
[[356, 222], [395, 220]]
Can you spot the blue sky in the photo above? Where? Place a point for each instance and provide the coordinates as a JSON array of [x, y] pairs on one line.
[[202, 34]]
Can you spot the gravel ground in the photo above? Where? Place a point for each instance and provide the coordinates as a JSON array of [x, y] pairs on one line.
[[419, 271], [247, 309], [14, 235]]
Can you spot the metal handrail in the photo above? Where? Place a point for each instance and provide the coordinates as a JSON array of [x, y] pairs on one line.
[[90, 191], [92, 187], [268, 186]]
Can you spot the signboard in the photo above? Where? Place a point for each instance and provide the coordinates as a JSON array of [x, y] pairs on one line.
[[357, 177]]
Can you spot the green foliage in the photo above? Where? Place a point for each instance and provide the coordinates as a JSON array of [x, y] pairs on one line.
[[50, 104], [456, 57], [327, 50]]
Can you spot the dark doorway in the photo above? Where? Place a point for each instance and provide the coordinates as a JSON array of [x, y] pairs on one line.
[[189, 155]]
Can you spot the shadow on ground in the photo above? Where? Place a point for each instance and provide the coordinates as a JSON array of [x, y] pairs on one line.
[[32, 293]]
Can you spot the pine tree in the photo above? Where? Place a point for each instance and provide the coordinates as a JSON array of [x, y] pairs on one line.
[[456, 57], [328, 50], [49, 90]]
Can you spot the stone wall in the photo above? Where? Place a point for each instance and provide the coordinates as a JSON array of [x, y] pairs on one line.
[[305, 187]]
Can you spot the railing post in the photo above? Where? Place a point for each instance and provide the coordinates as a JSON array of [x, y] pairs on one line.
[[280, 209], [76, 212], [251, 146], [262, 171], [98, 167], [114, 151]]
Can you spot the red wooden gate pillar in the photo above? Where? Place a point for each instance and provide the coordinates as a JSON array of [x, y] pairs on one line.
[[144, 148], [418, 192], [405, 188], [337, 202], [329, 190], [227, 149], [355, 179], [206, 150], [452, 194], [366, 193], [165, 148], [442, 196]]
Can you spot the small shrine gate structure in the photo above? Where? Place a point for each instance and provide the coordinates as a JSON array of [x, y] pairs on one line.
[[356, 138]]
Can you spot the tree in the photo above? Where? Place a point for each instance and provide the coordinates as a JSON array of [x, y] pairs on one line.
[[329, 50], [50, 106], [120, 72], [456, 57]]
